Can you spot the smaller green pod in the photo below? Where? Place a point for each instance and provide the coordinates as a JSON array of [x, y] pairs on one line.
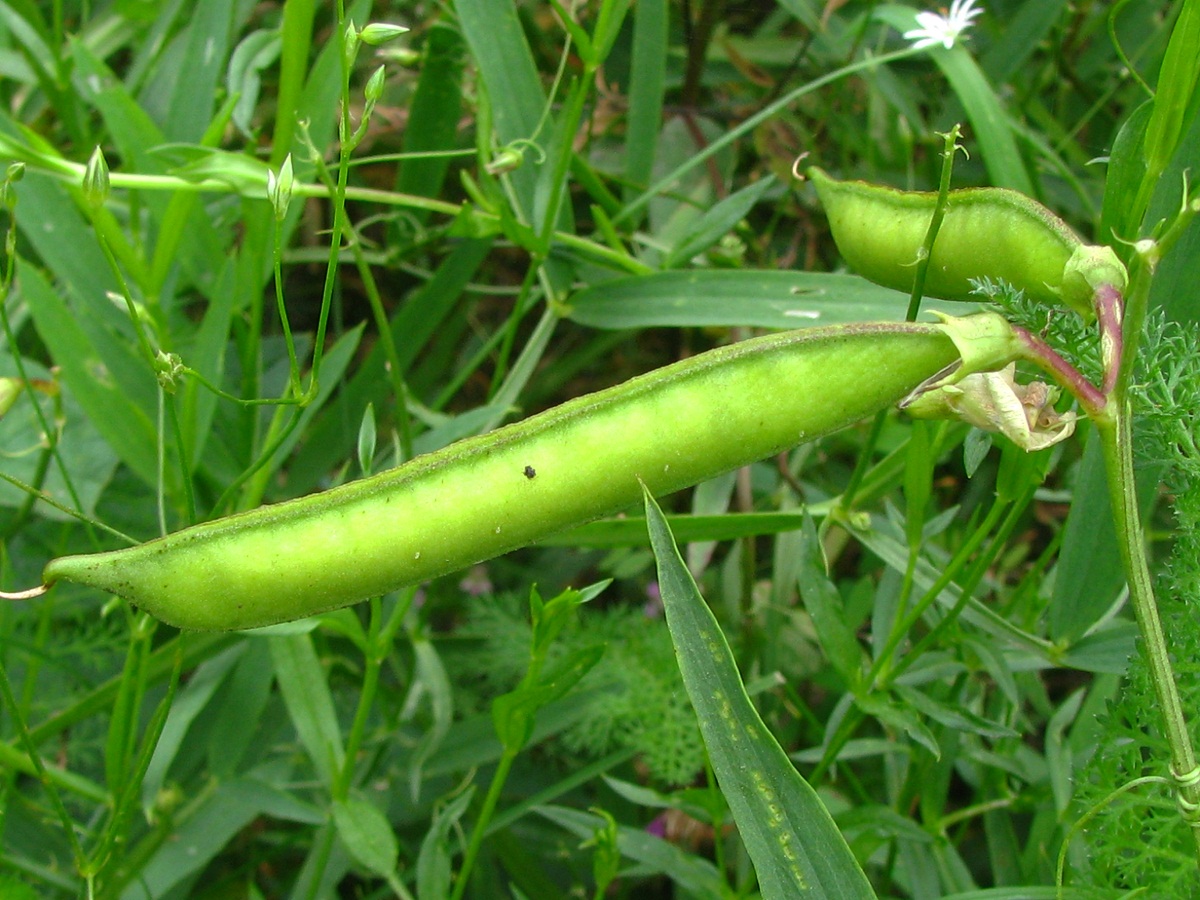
[[986, 233], [486, 495]]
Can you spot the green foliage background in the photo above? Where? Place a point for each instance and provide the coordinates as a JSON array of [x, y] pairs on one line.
[[532, 201]]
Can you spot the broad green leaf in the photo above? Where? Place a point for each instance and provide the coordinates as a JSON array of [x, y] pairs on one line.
[[232, 746], [1089, 574], [514, 90], [1104, 649], [199, 836], [950, 715], [1175, 288], [366, 834], [88, 458], [1126, 167], [256, 52], [918, 483], [899, 718], [188, 73], [1030, 893], [796, 848], [726, 297]]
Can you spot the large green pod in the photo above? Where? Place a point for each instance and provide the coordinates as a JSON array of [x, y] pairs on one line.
[[986, 233], [490, 494]]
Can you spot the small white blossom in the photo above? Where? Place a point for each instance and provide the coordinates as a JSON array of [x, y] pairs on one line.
[[943, 29]]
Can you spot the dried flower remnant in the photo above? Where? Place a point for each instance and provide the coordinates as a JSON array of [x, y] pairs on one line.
[[993, 401]]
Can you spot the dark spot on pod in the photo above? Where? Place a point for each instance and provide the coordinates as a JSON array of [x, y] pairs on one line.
[[529, 472]]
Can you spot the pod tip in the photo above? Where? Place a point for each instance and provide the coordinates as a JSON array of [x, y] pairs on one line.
[[25, 595]]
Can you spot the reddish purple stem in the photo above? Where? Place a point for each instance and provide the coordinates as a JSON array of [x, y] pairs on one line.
[[1089, 396], [1110, 311]]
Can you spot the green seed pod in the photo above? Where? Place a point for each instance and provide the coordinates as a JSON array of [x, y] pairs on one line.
[[486, 495], [986, 233]]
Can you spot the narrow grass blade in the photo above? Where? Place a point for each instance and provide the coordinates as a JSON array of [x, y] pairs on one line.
[[796, 848], [651, 27], [493, 32], [1174, 102], [202, 56]]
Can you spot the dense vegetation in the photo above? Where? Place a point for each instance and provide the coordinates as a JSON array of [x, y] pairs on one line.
[[254, 250]]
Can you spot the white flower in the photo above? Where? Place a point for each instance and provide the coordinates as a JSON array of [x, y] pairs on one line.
[[944, 30]]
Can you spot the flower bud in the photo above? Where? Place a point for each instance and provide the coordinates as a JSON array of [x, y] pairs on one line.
[[376, 33], [96, 183], [279, 188], [169, 370], [350, 41], [506, 160], [374, 89], [1088, 268], [10, 390]]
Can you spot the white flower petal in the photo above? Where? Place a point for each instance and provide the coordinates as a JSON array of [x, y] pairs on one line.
[[943, 29], [931, 21]]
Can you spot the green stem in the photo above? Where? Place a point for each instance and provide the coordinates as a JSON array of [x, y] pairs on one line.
[[72, 172], [1114, 429], [481, 823], [395, 369], [1116, 441], [925, 256]]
